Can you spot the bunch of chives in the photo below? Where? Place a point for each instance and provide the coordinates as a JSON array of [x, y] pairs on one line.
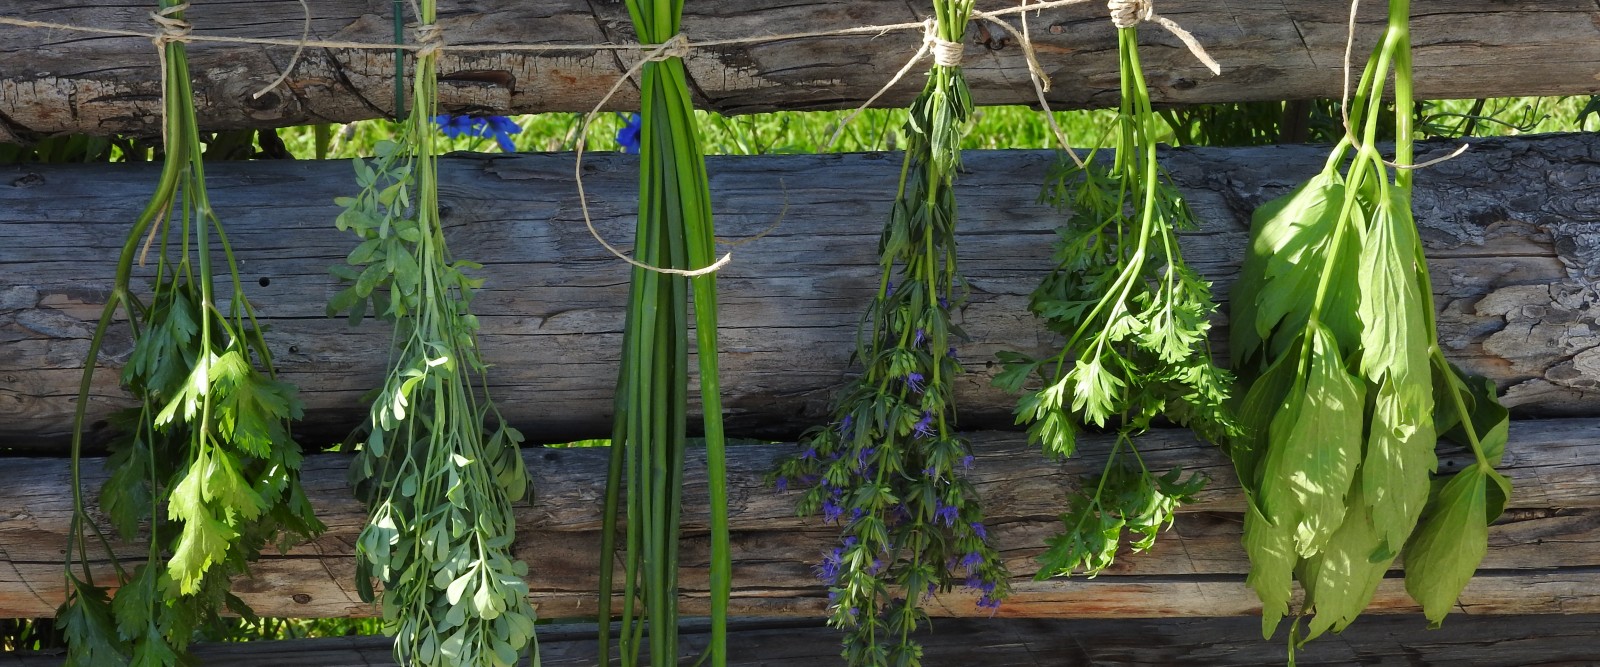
[[674, 232]]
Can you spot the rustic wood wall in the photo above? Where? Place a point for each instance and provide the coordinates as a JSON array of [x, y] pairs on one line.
[[1512, 229], [56, 82], [1544, 554]]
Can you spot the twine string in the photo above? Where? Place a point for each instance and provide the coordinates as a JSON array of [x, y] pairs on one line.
[[305, 35], [1344, 103], [676, 47], [1130, 13]]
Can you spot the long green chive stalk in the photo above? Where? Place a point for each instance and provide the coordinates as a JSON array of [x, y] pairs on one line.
[[649, 439], [439, 469], [1134, 317], [888, 468], [1349, 391], [207, 459]]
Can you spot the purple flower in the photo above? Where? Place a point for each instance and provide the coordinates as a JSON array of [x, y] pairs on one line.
[[989, 602], [952, 353], [862, 457], [924, 427], [922, 337], [966, 462], [628, 137], [844, 425], [809, 455], [831, 511], [500, 128], [944, 303], [980, 531], [915, 382], [889, 290], [971, 561], [783, 484], [945, 513]]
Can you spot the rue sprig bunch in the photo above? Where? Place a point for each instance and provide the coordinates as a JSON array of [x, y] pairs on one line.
[[1348, 389], [439, 469], [1134, 319], [890, 469], [205, 463]]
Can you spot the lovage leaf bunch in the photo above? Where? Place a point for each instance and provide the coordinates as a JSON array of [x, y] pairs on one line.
[[439, 469], [675, 232], [1134, 318], [889, 469], [1348, 390], [206, 463]]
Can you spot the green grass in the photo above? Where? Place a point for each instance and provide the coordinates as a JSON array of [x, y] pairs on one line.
[[880, 129]]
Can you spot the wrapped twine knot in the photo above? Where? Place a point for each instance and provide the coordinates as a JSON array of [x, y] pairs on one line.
[[430, 40], [173, 29], [1130, 13]]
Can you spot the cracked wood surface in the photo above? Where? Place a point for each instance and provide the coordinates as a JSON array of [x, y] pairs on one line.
[[1484, 641], [59, 82], [1543, 557], [1512, 230]]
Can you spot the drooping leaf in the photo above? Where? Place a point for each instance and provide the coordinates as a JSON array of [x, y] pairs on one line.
[[1341, 580], [1452, 540]]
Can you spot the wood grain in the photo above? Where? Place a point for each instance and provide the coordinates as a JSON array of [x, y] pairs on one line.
[[1544, 555], [1511, 228], [56, 82], [1485, 641]]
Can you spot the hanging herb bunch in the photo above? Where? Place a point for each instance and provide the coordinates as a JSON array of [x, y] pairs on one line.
[[889, 468], [1334, 334], [1135, 319], [675, 237], [439, 468], [207, 459]]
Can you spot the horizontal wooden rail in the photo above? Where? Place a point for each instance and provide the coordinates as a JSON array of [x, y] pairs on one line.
[[1510, 229], [1544, 555], [1485, 641], [53, 81]]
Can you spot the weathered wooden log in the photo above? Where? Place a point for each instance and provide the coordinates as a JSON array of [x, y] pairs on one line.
[[54, 81], [1484, 641], [1511, 229], [1543, 555]]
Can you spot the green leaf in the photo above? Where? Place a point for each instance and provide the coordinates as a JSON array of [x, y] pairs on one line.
[[152, 650], [1341, 580], [1315, 444], [1398, 463], [1272, 561], [1443, 554], [1394, 332], [86, 621]]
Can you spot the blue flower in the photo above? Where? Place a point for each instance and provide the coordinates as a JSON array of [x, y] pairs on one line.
[[966, 462], [844, 426], [971, 561], [500, 128], [980, 531], [914, 382], [945, 513], [783, 484], [628, 137], [831, 511], [924, 427]]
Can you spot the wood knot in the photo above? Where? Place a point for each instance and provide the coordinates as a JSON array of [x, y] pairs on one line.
[[301, 598]]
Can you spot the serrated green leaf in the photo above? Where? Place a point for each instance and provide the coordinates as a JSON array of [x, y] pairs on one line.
[[86, 621], [1272, 561], [1341, 580], [1452, 540], [1394, 332], [1398, 463], [1315, 444]]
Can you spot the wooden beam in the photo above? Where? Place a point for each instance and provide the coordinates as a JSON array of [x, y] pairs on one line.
[[54, 81], [1543, 556], [1509, 226], [1485, 641]]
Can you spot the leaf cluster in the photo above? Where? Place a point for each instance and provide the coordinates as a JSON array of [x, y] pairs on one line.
[[205, 468], [1134, 319], [889, 468], [438, 468], [1349, 391]]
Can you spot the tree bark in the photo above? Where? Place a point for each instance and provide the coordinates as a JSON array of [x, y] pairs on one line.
[[1543, 555], [1485, 641], [55, 81], [1511, 229]]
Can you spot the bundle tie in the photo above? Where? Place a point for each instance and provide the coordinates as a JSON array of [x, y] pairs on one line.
[[1130, 13], [172, 28], [675, 47], [430, 40]]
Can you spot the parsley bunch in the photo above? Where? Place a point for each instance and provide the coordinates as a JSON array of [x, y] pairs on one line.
[[209, 441], [439, 469], [888, 469], [1349, 390], [1134, 318]]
